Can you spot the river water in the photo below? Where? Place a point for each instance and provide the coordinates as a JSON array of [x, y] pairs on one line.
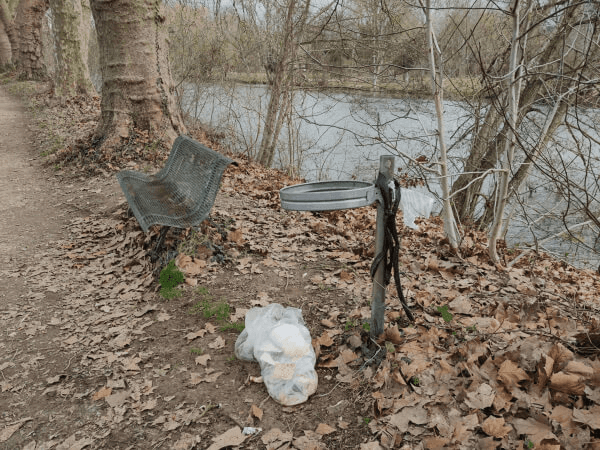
[[340, 136]]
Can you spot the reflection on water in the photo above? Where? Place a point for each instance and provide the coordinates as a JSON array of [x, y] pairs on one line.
[[341, 136]]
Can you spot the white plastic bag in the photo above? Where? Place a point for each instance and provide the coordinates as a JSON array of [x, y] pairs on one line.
[[414, 204], [277, 338]]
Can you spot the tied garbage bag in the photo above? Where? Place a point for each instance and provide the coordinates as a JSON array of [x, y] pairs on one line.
[[414, 204], [277, 338]]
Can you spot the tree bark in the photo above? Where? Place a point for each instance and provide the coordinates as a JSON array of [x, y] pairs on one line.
[[71, 37], [137, 87], [28, 25]]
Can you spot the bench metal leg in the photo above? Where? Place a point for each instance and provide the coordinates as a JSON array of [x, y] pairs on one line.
[[156, 250]]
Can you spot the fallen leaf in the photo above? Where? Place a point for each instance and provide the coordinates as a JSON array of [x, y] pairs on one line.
[[54, 380], [150, 404], [328, 323], [589, 417], [561, 356], [348, 356], [496, 427], [186, 442], [535, 430], [324, 429], [171, 425], [191, 282], [325, 339], [510, 374], [482, 398], [579, 368], [415, 414], [276, 437], [102, 393], [202, 360], [373, 445], [196, 378], [567, 383], [190, 265], [460, 305], [117, 399], [256, 412], [240, 313], [195, 334], [236, 236], [393, 335], [219, 342], [162, 317], [230, 438], [346, 276]]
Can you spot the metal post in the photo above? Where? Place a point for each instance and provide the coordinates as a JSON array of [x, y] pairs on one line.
[[386, 167]]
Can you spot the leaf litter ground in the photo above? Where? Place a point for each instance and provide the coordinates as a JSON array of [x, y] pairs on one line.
[[94, 357]]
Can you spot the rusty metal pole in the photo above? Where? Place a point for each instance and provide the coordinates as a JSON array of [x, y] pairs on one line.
[[386, 167]]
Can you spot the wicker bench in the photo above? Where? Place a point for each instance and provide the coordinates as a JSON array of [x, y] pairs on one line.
[[182, 193]]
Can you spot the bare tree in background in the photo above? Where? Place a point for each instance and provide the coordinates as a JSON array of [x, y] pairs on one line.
[[280, 71], [513, 88], [71, 30], [8, 38], [547, 74], [28, 55], [437, 81]]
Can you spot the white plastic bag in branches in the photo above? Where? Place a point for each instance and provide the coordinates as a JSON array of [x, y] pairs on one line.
[[277, 338]]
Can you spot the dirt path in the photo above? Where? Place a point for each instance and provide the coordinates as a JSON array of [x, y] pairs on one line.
[[36, 206], [27, 218]]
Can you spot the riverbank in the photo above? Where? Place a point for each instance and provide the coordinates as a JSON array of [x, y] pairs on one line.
[[418, 86], [94, 357]]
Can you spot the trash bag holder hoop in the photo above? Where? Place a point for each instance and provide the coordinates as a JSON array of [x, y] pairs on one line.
[[329, 195], [335, 195]]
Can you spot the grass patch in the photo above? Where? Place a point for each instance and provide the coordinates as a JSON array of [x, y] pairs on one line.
[[238, 327], [219, 311], [170, 278]]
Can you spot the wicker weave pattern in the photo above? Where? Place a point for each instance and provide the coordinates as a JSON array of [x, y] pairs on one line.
[[182, 193]]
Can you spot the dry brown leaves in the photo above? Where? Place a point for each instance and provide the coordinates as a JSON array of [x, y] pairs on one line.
[[521, 343]]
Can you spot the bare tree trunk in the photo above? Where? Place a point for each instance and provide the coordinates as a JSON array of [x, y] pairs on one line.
[[137, 88], [281, 83], [285, 109], [71, 37], [279, 86], [436, 84], [8, 37], [268, 142], [5, 45], [513, 103], [28, 24]]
